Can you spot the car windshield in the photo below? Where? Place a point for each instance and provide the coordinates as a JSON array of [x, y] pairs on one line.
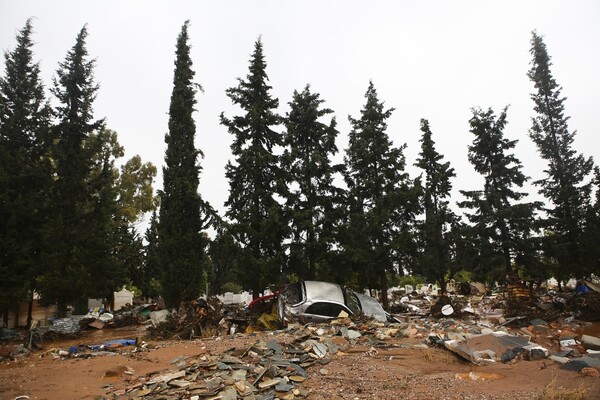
[[352, 301]]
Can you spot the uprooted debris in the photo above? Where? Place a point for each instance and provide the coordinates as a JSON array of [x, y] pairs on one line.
[[68, 327], [552, 305], [198, 318]]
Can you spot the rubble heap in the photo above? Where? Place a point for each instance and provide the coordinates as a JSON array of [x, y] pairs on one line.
[[198, 318], [265, 370]]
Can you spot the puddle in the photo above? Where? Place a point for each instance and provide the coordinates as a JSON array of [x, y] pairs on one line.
[[478, 376]]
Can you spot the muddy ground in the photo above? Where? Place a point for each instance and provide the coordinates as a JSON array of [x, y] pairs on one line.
[[361, 372]]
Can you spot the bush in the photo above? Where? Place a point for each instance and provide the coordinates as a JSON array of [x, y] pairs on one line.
[[231, 287]]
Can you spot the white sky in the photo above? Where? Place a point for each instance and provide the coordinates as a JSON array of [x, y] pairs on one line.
[[427, 59]]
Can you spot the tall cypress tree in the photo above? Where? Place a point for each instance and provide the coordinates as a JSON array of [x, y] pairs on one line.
[[566, 184], [501, 223], [24, 170], [67, 242], [181, 246], [255, 176], [382, 200], [435, 262], [310, 200]]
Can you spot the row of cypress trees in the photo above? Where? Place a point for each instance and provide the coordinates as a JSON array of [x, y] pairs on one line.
[[69, 234]]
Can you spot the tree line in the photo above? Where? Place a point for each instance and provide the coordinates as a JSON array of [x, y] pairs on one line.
[[68, 212]]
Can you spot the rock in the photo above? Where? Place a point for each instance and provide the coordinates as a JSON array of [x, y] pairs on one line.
[[19, 351], [268, 383], [589, 371], [591, 342]]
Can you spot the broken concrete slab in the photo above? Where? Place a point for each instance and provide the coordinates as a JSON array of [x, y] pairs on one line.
[[591, 342], [577, 364], [485, 349]]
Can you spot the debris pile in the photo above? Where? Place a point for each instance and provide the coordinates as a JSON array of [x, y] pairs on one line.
[[265, 370], [68, 327], [198, 318]]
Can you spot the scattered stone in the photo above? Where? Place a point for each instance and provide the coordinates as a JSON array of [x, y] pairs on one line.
[[589, 371]]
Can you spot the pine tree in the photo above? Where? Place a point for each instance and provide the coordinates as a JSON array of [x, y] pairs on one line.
[[310, 199], [24, 171], [227, 264], [382, 200], [436, 260], [592, 232], [566, 184], [68, 239], [255, 176], [502, 224], [182, 246], [114, 246]]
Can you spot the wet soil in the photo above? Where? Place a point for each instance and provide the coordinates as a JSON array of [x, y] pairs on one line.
[[361, 372]]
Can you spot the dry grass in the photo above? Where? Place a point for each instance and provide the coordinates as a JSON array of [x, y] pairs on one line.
[[550, 392]]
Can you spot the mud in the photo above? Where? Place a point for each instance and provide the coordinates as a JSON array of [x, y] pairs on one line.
[[397, 369]]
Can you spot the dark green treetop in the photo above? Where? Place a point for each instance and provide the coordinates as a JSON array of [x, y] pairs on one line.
[[69, 238], [310, 200], [435, 262], [24, 170], [255, 176], [181, 245], [382, 201], [502, 223], [567, 184]]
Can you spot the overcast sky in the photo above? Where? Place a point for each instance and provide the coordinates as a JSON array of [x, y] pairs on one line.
[[427, 59]]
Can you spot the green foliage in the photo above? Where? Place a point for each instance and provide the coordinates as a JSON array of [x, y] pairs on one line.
[[310, 198], [226, 260], [255, 178], [133, 289], [232, 287], [435, 260], [412, 280], [591, 259], [136, 195], [155, 288], [24, 171], [81, 204], [566, 185], [382, 201], [501, 225], [463, 276], [149, 270], [181, 245]]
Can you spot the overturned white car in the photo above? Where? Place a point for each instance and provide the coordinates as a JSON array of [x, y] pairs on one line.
[[312, 301]]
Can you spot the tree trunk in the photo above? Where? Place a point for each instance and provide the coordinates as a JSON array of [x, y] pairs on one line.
[[384, 289], [5, 318], [81, 307], [443, 286], [30, 311], [61, 309]]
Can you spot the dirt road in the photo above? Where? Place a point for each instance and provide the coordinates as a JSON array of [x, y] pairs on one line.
[[395, 370]]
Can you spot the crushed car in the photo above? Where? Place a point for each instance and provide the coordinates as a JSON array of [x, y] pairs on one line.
[[314, 301]]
